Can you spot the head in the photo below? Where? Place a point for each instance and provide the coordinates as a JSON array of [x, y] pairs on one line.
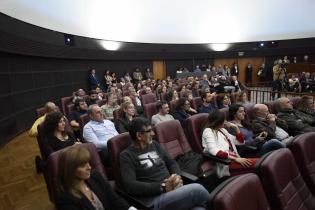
[[80, 92], [148, 90], [128, 108], [141, 131], [54, 122], [50, 107], [162, 107], [183, 104], [261, 110], [224, 99], [112, 99], [205, 77], [92, 71], [73, 167], [80, 104], [236, 112], [284, 103], [215, 120], [93, 95], [95, 113], [126, 99], [241, 97], [98, 90], [306, 102], [207, 97]]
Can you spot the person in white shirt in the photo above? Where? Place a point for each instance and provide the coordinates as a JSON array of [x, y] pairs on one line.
[[98, 131], [163, 114]]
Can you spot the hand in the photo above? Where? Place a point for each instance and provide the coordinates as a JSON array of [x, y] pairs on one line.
[[244, 162], [177, 181], [192, 110], [271, 117], [262, 136], [229, 125]]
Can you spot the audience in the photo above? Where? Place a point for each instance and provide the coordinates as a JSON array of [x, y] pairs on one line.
[[93, 97], [147, 170], [56, 135], [98, 130], [217, 141], [163, 113], [80, 108], [183, 111], [109, 107], [265, 122], [306, 105], [208, 104], [83, 188], [49, 108], [264, 145], [223, 100], [298, 122], [128, 112]]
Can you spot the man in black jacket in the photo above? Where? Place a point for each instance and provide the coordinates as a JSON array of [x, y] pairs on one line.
[[147, 170]]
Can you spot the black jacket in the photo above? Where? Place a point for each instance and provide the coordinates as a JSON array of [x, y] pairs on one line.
[[101, 188]]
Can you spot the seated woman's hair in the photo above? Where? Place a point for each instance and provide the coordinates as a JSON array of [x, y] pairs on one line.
[[51, 122], [233, 109], [69, 160], [124, 106], [137, 124], [215, 119]]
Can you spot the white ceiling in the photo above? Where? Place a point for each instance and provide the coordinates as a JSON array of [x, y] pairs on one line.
[[170, 21]]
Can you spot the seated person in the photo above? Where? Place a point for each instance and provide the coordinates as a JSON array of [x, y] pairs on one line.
[[79, 94], [183, 111], [297, 121], [80, 108], [306, 105], [98, 130], [136, 100], [147, 170], [265, 122], [50, 107], [84, 188], [99, 92], [172, 96], [223, 100], [264, 145], [217, 141], [55, 133], [241, 98], [163, 113], [93, 97], [128, 112], [208, 102], [110, 106], [235, 83]]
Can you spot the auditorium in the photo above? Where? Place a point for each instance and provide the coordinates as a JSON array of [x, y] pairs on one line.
[[162, 105]]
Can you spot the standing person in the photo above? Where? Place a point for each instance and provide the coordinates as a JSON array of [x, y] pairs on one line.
[[82, 188], [262, 73], [147, 170], [137, 75], [235, 70], [249, 74], [148, 74], [93, 80], [108, 79], [278, 77]]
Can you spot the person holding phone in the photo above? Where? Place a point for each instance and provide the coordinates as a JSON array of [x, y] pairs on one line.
[[264, 145]]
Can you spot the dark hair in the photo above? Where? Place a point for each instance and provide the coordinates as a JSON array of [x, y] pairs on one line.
[[215, 119], [160, 104], [204, 95], [137, 125], [233, 109], [51, 122], [77, 103], [181, 103], [303, 102], [92, 92]]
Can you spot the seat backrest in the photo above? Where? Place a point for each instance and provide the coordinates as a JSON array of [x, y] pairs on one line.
[[171, 137], [303, 147], [101, 102], [173, 104], [225, 110], [282, 181], [250, 114], [196, 103], [150, 110], [164, 96], [52, 165], [64, 102], [239, 193], [70, 108], [83, 120], [273, 107], [148, 98], [115, 146], [194, 130]]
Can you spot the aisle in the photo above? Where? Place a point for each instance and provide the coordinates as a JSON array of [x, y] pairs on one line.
[[20, 187]]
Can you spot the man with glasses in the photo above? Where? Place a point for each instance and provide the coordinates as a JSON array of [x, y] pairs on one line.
[[147, 170], [163, 114]]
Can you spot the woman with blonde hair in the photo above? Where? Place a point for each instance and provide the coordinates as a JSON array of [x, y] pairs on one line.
[[128, 112], [81, 188]]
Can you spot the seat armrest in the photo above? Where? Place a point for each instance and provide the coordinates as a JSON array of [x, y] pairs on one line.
[[189, 177], [216, 159]]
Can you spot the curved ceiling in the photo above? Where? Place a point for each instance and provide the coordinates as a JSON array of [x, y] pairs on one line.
[[170, 21]]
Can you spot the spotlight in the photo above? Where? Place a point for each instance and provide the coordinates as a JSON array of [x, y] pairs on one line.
[[261, 45], [273, 44], [69, 39]]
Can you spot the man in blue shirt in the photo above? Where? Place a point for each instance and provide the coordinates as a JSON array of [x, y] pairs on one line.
[[207, 102], [98, 131]]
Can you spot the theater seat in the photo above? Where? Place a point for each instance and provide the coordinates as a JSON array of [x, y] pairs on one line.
[[273, 107], [64, 102], [239, 193], [40, 112], [148, 98], [194, 130], [149, 110], [282, 182], [52, 165], [303, 150]]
